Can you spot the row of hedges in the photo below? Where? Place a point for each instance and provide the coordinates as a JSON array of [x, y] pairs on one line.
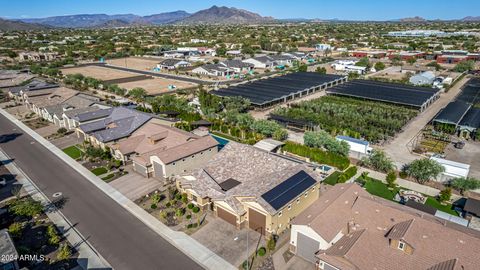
[[317, 155], [339, 177]]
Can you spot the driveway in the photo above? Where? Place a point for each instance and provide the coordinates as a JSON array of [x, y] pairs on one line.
[[226, 241], [66, 141], [135, 186], [47, 130], [293, 263], [399, 148]]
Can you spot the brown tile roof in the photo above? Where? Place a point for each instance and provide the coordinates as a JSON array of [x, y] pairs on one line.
[[167, 143], [342, 246], [57, 96], [434, 241], [256, 170], [399, 230]]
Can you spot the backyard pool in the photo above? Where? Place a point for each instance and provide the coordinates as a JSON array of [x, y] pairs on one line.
[[221, 141]]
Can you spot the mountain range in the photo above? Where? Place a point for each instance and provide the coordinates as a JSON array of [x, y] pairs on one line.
[[213, 15]]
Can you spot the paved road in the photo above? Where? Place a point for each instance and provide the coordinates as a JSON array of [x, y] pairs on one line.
[[124, 241]]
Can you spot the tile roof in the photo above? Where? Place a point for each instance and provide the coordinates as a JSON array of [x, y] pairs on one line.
[[57, 96], [120, 123], [167, 143], [472, 206], [256, 170], [347, 208]]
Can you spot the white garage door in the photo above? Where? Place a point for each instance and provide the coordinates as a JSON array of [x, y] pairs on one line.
[[306, 247]]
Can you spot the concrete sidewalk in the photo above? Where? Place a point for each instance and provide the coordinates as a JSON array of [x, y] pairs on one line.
[[189, 246], [88, 257]]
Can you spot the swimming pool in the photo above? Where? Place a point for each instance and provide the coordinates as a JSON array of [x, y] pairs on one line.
[[221, 141]]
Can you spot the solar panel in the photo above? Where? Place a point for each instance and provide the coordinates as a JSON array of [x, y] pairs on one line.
[[288, 190], [268, 90], [385, 92], [229, 184]]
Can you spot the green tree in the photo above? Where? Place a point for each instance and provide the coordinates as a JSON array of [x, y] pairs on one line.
[[321, 139], [445, 195], [280, 135], [363, 62], [302, 68], [321, 70], [464, 66], [424, 170], [379, 161], [463, 184], [265, 127], [26, 207], [138, 94], [391, 178], [379, 66], [16, 229]]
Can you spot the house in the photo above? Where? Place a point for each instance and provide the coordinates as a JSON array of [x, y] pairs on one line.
[[161, 151], [9, 254], [405, 56], [39, 100], [347, 228], [368, 54], [110, 125], [207, 51], [251, 188], [283, 59], [262, 62], [37, 56], [18, 92], [238, 66], [323, 47], [12, 78], [214, 70], [451, 59], [424, 78], [453, 169], [170, 64]]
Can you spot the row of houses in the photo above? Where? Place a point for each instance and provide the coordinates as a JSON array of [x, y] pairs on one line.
[[443, 57], [150, 143]]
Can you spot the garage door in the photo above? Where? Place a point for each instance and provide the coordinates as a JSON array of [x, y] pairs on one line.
[[230, 218], [256, 221], [306, 247]]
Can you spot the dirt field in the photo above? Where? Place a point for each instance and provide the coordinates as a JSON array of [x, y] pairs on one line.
[[135, 63], [157, 85], [100, 73]]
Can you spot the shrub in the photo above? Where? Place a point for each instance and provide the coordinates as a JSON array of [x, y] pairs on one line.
[[62, 130], [178, 197], [424, 170], [194, 225], [15, 229], [271, 244], [189, 216], [350, 172], [195, 209], [190, 206], [261, 252], [378, 161], [464, 184], [189, 226], [156, 198], [180, 212], [317, 155], [168, 204], [445, 195], [153, 206], [64, 252], [391, 178], [403, 174], [26, 207], [184, 198]]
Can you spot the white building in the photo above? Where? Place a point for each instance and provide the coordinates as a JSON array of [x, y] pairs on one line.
[[423, 78], [323, 47], [453, 169], [357, 146]]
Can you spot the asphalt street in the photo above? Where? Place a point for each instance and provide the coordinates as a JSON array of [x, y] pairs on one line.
[[123, 240]]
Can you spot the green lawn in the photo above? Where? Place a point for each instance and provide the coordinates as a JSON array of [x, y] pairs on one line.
[[444, 208], [99, 170], [108, 178], [73, 152], [332, 178], [377, 188]]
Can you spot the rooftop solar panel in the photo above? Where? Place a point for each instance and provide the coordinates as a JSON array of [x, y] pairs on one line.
[[288, 190]]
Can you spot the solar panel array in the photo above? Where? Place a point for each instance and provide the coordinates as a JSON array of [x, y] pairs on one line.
[[288, 190], [264, 91], [386, 92], [462, 107]]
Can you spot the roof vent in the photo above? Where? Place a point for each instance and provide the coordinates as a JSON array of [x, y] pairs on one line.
[[424, 236], [376, 210], [309, 216], [346, 202], [461, 241]]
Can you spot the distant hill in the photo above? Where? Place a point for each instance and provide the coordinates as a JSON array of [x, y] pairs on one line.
[[9, 25], [224, 15], [471, 19], [167, 17], [413, 19], [113, 24], [100, 20]]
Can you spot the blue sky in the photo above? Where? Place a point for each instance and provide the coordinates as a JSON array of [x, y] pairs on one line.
[[342, 9]]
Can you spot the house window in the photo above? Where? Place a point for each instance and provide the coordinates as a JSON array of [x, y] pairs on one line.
[[280, 214], [401, 245], [289, 206], [298, 201]]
